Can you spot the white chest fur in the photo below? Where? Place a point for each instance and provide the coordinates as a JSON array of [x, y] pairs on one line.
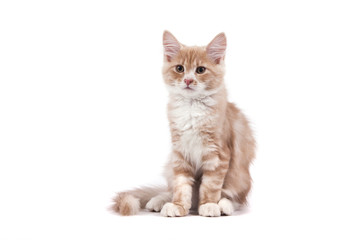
[[190, 118]]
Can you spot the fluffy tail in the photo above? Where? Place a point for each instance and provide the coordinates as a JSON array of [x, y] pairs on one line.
[[129, 203]]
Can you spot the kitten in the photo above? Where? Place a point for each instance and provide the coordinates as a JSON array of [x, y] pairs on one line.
[[212, 143]]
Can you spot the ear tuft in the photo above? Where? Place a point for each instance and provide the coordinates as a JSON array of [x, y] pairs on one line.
[[171, 46], [216, 48]]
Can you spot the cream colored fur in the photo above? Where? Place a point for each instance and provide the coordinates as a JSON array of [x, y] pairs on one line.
[[212, 143]]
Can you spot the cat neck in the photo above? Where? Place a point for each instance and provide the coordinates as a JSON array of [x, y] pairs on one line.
[[209, 98]]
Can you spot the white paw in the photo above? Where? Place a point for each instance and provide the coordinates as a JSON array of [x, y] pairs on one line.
[[209, 210], [226, 206], [155, 204], [172, 210]]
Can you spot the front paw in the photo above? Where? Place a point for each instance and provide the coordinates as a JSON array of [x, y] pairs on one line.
[[209, 210], [173, 210]]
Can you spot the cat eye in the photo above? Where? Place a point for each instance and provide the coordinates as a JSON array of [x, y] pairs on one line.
[[200, 70], [179, 68]]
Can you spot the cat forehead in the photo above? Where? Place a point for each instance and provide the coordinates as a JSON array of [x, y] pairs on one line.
[[192, 54]]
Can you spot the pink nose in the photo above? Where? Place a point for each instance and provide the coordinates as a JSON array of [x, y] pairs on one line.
[[188, 81]]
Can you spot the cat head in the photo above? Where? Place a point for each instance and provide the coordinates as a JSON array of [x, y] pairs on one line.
[[193, 71]]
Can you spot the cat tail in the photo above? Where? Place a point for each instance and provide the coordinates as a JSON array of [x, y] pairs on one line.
[[130, 202]]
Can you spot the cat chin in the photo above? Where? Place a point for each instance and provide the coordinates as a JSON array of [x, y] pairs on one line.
[[194, 93], [187, 93]]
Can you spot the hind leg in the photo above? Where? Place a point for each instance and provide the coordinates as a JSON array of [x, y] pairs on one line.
[[156, 203], [237, 185], [226, 206]]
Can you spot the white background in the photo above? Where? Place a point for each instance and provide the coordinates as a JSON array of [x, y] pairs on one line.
[[83, 115]]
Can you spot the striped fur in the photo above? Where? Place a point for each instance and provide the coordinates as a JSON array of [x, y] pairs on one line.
[[212, 143]]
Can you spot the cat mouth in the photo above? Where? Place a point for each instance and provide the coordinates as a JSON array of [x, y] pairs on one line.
[[188, 88]]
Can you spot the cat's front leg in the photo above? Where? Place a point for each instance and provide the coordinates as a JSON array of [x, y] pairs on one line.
[[214, 169], [182, 188]]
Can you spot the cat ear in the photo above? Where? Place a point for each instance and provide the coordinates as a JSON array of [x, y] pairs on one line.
[[171, 45], [216, 48]]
